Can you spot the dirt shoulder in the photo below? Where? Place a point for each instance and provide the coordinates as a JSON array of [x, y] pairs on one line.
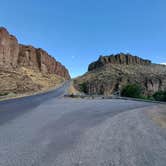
[[158, 114]]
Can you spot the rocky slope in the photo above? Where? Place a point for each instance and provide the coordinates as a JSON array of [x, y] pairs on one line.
[[111, 73], [25, 68]]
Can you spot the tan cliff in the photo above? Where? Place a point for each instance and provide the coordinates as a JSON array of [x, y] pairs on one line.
[[26, 68]]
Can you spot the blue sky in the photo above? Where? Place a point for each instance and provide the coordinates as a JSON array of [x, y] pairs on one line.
[[76, 32]]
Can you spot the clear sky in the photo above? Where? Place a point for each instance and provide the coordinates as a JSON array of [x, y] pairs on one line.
[[76, 32]]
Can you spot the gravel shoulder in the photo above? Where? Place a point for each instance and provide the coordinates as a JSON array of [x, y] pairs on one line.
[[131, 138], [158, 114]]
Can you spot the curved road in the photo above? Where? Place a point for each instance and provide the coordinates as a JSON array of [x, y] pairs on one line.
[[49, 130]]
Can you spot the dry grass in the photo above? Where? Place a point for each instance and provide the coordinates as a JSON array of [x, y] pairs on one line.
[[45, 81], [24, 82]]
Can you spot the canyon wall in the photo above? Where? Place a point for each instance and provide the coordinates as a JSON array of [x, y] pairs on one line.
[[14, 55], [26, 69]]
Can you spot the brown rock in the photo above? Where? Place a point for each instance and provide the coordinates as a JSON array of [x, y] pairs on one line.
[[25, 69], [125, 59], [9, 50], [111, 73], [14, 55]]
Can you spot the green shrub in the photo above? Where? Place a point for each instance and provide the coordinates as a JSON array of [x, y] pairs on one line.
[[160, 96], [83, 87], [146, 97], [4, 94], [132, 90]]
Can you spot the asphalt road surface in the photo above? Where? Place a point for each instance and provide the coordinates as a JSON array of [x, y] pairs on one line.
[[49, 130]]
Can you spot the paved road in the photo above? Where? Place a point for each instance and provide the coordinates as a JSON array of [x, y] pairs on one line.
[[49, 130]]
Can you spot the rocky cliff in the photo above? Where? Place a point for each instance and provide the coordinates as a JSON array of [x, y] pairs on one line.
[[14, 55], [15, 58], [119, 59], [9, 50], [111, 73]]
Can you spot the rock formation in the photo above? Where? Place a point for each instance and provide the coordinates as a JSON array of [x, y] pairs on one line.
[[121, 59], [39, 59], [111, 73], [16, 58], [9, 50], [14, 55]]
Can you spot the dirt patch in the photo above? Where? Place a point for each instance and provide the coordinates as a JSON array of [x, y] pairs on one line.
[[158, 115]]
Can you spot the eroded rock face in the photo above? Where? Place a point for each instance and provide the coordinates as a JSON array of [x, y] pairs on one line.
[[111, 73], [28, 57], [122, 59], [40, 60], [25, 69], [14, 55], [9, 49]]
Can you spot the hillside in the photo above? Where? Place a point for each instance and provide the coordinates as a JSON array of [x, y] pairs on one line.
[[26, 69], [111, 73]]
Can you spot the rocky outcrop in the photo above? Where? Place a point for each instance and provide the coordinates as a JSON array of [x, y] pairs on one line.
[[9, 50], [14, 55], [40, 60], [26, 69], [122, 59], [110, 74]]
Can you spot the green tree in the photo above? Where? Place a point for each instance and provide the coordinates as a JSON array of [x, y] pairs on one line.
[[132, 90], [160, 96], [83, 87]]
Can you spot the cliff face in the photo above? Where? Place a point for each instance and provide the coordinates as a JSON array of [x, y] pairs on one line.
[[111, 73], [14, 55], [9, 50], [119, 59], [39, 59], [25, 68]]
